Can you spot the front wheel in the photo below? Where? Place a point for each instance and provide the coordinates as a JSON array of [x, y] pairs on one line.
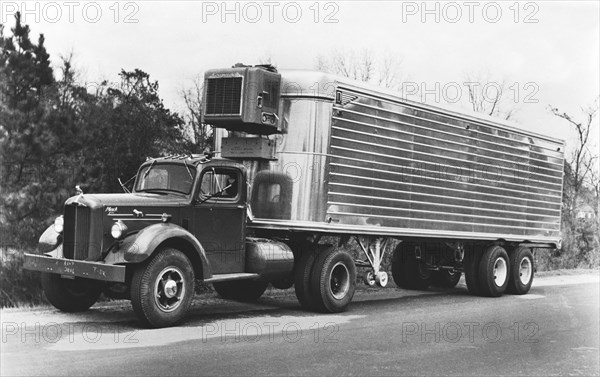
[[162, 288], [70, 295]]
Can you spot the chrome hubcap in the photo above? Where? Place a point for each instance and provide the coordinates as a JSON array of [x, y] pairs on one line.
[[500, 271], [525, 271], [339, 281], [169, 289]]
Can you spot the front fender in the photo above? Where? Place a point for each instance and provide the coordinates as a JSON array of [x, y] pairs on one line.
[[139, 246], [49, 240]]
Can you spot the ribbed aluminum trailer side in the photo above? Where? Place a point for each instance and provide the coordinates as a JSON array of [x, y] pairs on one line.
[[405, 166]]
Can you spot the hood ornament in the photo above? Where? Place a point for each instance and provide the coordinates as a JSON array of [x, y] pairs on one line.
[[80, 193]]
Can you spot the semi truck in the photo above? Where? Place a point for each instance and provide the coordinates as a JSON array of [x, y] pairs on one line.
[[306, 169]]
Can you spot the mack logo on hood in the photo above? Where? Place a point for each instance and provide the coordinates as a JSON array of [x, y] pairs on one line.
[[111, 209]]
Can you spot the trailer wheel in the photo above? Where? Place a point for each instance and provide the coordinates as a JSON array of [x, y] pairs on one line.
[[494, 271], [70, 295], [471, 268], [446, 278], [162, 288], [407, 270], [333, 281], [241, 290], [521, 270], [397, 261]]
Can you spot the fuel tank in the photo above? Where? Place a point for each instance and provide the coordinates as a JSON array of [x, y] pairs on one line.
[[272, 260]]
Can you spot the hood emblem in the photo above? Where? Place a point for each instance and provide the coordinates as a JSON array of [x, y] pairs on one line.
[[80, 193], [137, 213]]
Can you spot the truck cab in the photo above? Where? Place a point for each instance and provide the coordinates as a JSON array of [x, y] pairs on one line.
[[190, 208]]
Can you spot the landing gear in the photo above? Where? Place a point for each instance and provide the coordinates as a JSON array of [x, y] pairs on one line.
[[374, 250]]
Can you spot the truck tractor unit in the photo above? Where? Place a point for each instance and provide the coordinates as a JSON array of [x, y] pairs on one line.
[[311, 176]]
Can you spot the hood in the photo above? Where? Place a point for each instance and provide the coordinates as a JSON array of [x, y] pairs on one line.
[[133, 199]]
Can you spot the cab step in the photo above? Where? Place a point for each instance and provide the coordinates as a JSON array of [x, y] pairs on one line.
[[236, 276]]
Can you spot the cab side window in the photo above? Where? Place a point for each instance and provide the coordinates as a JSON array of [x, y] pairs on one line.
[[219, 183]]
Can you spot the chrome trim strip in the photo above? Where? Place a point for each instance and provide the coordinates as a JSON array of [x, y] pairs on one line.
[[432, 147], [301, 226], [409, 192], [441, 123], [427, 154], [440, 221], [444, 180], [444, 204], [439, 213], [429, 137], [439, 110]]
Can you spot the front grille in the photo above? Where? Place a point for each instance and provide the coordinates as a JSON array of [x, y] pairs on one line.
[[223, 96], [76, 232]]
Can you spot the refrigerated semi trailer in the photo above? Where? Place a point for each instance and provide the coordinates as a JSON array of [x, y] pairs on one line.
[[306, 166]]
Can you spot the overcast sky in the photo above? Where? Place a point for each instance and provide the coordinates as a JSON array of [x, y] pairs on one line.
[[548, 50]]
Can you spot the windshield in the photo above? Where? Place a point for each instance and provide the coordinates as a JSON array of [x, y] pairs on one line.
[[166, 177]]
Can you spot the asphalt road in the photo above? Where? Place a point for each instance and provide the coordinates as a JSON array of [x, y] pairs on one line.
[[554, 330]]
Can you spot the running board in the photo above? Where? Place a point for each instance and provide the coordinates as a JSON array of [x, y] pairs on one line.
[[227, 277]]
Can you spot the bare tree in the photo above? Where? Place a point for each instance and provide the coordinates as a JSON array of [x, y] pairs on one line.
[[364, 66], [489, 96], [581, 159], [201, 132]]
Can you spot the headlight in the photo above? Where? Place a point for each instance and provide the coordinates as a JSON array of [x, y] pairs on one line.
[[118, 229], [59, 224]]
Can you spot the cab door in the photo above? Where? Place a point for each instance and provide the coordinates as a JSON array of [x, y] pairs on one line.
[[219, 219]]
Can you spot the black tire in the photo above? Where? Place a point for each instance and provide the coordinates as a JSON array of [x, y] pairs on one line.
[[333, 281], [70, 295], [302, 273], [118, 291], [494, 270], [471, 269], [162, 288], [408, 270], [521, 271], [397, 261], [285, 283], [241, 290], [446, 278]]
